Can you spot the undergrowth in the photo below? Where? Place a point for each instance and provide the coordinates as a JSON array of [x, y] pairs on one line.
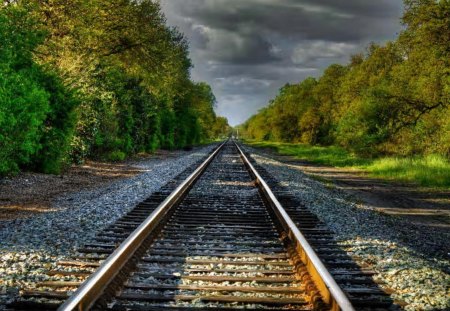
[[428, 171]]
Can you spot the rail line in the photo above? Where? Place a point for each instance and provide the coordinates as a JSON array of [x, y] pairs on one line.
[[217, 237]]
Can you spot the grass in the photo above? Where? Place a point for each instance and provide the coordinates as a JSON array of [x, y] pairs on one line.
[[430, 171], [334, 156], [427, 171]]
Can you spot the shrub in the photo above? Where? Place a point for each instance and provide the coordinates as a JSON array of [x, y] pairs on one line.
[[116, 156], [24, 103], [23, 109], [58, 128]]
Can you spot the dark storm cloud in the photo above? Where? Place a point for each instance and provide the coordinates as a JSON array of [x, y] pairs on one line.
[[247, 49], [240, 48], [314, 20]]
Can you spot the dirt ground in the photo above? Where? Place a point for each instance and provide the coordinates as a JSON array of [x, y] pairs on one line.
[[30, 193], [421, 206]]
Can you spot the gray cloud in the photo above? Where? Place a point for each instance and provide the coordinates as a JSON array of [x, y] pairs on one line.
[[248, 49], [309, 52], [238, 48]]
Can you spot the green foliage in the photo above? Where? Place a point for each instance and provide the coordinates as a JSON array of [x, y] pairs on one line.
[[393, 100], [98, 79], [331, 155], [429, 171], [168, 123], [136, 92], [35, 108], [58, 127], [116, 156], [23, 108], [220, 128]]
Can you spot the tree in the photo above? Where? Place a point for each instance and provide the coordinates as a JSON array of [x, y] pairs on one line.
[[35, 107], [393, 99], [98, 79]]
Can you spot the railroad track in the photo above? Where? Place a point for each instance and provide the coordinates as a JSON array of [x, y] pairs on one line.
[[214, 237]]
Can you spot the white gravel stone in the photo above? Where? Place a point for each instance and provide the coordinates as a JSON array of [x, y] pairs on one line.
[[29, 247], [385, 242]]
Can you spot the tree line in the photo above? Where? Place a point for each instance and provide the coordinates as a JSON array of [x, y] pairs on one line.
[[393, 99], [95, 79]]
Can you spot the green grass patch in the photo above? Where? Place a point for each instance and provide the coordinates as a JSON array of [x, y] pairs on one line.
[[431, 170], [427, 171], [332, 155]]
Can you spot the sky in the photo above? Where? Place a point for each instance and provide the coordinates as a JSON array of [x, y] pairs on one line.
[[247, 49]]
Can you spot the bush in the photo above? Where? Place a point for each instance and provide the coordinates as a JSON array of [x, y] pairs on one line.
[[24, 103], [36, 109], [23, 109], [58, 128], [116, 156]]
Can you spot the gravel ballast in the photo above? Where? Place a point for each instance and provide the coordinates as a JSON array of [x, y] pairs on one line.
[[393, 248], [29, 247]]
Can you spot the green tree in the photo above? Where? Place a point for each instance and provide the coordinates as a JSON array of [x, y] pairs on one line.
[[35, 107], [393, 99]]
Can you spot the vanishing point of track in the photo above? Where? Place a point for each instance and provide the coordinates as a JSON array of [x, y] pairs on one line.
[[215, 237]]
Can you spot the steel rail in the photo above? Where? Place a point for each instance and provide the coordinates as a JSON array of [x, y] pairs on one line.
[[94, 287], [331, 292]]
